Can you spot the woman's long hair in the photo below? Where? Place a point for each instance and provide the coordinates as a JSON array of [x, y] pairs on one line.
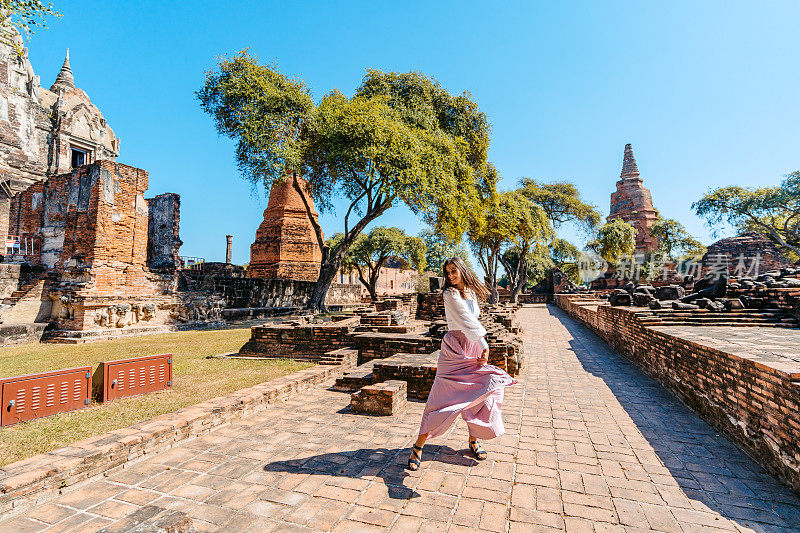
[[471, 281]]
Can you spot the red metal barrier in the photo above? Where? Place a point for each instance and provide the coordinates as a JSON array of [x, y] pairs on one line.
[[44, 394], [131, 377]]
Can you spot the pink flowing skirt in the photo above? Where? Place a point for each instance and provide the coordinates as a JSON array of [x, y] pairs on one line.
[[463, 387]]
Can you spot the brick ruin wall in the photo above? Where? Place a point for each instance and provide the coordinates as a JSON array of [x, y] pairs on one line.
[[94, 225], [239, 292], [163, 238], [308, 342], [754, 404], [285, 245]]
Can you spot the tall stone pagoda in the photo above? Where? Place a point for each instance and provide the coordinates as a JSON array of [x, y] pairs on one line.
[[632, 203], [286, 246]]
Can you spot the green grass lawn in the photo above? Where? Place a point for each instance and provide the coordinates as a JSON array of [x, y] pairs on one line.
[[195, 379]]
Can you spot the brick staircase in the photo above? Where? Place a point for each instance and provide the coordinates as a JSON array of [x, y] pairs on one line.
[[344, 356], [18, 294], [25, 305], [702, 317]]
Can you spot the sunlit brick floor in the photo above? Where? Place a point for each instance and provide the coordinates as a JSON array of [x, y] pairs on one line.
[[592, 444]]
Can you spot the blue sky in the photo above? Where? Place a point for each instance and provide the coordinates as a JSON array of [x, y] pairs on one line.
[[707, 92]]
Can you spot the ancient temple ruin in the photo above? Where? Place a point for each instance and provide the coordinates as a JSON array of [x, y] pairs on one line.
[[84, 249], [632, 203], [286, 246], [43, 132]]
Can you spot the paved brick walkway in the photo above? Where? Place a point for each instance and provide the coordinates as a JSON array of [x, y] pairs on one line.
[[592, 445]]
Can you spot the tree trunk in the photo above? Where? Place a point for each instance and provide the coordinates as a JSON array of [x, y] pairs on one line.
[[522, 280], [331, 263], [512, 275], [494, 295]]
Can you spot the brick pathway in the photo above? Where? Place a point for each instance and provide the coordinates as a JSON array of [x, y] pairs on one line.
[[592, 445]]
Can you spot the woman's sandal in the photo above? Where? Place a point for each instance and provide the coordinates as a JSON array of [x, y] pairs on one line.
[[415, 458], [477, 451]]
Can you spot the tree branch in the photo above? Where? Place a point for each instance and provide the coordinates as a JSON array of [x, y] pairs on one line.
[[347, 216], [314, 222]]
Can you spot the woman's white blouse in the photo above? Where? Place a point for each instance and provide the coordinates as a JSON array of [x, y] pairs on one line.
[[462, 314]]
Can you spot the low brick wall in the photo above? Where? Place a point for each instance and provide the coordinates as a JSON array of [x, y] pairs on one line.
[[28, 483], [381, 345], [753, 401], [257, 292], [541, 298], [778, 298], [308, 343], [430, 306], [418, 370]]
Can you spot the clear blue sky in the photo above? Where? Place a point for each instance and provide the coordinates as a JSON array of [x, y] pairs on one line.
[[707, 92]]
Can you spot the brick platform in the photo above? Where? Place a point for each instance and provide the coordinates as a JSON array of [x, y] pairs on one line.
[[386, 398], [592, 444]]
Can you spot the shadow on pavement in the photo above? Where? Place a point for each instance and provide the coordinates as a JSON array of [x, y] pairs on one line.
[[388, 464]]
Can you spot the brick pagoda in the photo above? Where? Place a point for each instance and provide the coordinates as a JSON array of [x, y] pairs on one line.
[[632, 203], [285, 245]]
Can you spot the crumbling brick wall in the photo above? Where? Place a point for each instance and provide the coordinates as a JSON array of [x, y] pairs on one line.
[[93, 223], [163, 236]]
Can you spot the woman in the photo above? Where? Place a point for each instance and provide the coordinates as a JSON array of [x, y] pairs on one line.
[[465, 384]]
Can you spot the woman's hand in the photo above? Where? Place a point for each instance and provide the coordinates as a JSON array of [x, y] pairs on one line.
[[484, 357]]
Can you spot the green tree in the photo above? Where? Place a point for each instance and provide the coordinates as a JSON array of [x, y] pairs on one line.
[[529, 229], [438, 249], [401, 138], [614, 240], [20, 17], [566, 257], [504, 219], [562, 202], [771, 211], [674, 239], [371, 250]]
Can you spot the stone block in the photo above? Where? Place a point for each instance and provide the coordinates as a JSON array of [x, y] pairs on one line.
[[386, 398], [670, 292]]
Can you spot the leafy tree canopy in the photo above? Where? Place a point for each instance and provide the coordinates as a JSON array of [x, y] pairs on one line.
[[438, 249], [673, 239], [562, 202], [772, 211], [506, 219], [400, 138], [614, 240], [20, 18]]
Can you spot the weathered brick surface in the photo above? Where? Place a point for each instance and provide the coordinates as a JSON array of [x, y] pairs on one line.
[[386, 398], [381, 345], [752, 398], [163, 234], [417, 370], [94, 223], [286, 245], [750, 248], [305, 342], [430, 306], [632, 203]]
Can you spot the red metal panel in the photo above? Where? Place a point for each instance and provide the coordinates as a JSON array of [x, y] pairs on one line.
[[130, 377], [44, 394]]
